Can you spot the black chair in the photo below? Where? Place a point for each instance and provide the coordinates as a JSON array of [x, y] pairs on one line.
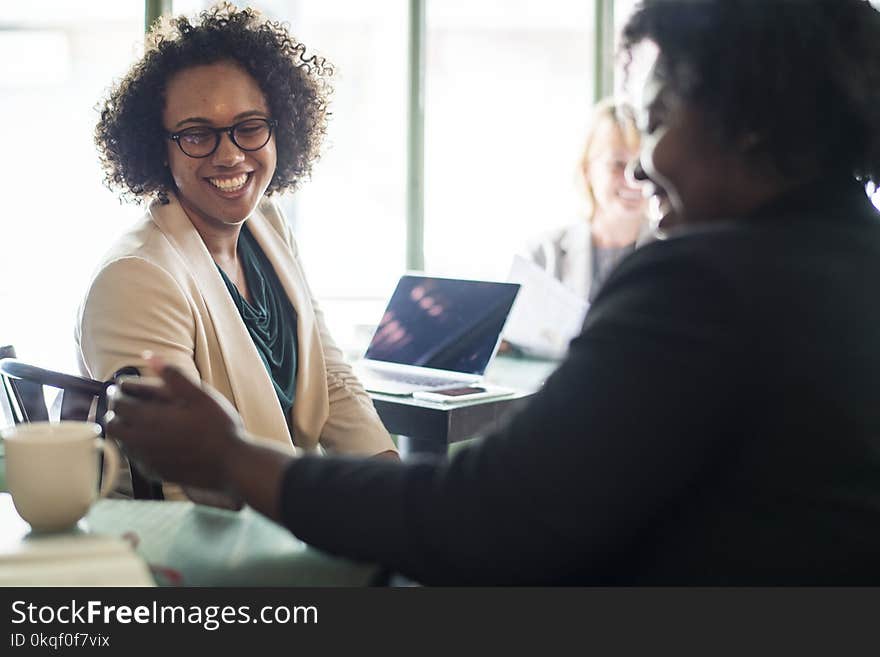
[[27, 400], [6, 417], [81, 399]]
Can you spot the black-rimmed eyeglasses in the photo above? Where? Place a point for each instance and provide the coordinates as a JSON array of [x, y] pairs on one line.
[[202, 141]]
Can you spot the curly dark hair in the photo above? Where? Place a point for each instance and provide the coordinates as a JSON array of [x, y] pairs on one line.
[[131, 138], [803, 77]]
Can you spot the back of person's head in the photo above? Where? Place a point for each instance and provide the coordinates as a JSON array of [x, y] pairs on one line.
[[799, 80]]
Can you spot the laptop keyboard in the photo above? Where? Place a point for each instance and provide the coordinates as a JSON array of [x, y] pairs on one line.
[[415, 379]]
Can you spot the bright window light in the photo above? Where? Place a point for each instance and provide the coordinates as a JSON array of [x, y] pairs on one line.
[[509, 88], [58, 217]]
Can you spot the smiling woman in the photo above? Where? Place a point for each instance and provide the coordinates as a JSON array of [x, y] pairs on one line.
[[218, 115], [217, 180], [726, 129], [716, 421], [582, 254]]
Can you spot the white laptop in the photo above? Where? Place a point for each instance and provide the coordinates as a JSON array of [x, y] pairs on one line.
[[436, 333]]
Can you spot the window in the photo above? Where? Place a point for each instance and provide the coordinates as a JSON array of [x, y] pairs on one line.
[[623, 9], [508, 90], [500, 158], [58, 218], [484, 200]]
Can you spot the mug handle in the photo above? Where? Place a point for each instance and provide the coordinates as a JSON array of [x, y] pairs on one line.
[[111, 459]]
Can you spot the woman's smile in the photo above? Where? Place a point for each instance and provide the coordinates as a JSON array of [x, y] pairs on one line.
[[231, 185]]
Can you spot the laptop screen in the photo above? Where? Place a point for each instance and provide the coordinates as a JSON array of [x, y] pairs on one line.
[[443, 323]]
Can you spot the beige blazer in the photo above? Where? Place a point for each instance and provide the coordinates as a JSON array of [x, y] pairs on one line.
[[159, 289]]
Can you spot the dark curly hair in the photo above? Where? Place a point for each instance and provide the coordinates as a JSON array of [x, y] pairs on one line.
[[803, 77], [131, 138]]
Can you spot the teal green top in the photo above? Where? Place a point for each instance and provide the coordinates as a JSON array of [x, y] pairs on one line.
[[270, 319]]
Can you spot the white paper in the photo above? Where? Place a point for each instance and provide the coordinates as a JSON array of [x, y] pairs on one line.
[[546, 314]]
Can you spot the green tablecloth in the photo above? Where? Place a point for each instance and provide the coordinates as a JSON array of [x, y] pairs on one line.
[[190, 545], [183, 544]]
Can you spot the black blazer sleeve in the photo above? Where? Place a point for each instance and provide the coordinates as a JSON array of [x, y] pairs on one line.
[[630, 420]]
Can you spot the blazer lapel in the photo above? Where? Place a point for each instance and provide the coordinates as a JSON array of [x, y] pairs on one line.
[[311, 406], [254, 394]]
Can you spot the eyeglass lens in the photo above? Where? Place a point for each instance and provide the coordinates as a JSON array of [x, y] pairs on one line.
[[248, 135]]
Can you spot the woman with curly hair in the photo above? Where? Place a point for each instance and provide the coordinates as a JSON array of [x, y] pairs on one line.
[[716, 422], [218, 115]]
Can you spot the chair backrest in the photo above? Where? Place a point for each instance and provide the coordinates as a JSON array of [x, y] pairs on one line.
[[6, 416], [25, 402], [82, 399]]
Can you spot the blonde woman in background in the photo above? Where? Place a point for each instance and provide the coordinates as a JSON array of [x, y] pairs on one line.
[[582, 254]]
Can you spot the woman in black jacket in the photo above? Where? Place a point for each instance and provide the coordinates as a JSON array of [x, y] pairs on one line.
[[716, 422]]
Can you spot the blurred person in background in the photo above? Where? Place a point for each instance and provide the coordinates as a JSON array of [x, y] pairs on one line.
[[582, 254]]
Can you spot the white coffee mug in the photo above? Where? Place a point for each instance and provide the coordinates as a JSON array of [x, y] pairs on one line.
[[52, 471]]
